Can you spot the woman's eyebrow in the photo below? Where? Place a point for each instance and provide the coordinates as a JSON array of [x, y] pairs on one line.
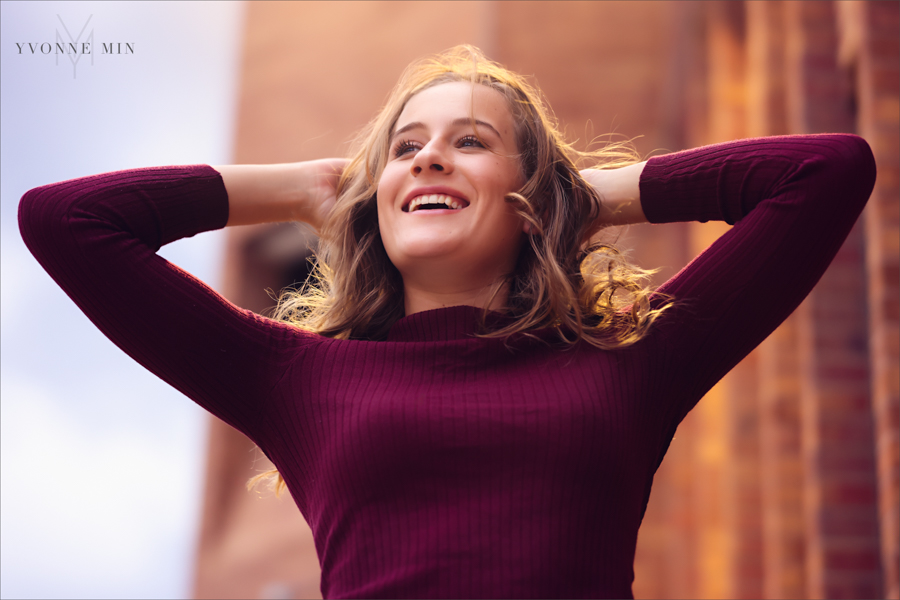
[[467, 121], [455, 122]]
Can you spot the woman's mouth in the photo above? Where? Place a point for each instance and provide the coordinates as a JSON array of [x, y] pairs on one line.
[[436, 202]]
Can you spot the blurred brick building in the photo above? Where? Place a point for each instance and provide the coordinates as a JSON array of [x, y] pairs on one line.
[[783, 482]]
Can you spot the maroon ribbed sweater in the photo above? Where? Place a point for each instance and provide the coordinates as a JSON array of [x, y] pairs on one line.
[[435, 463]]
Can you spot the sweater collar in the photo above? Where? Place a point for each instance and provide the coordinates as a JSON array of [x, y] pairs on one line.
[[443, 324]]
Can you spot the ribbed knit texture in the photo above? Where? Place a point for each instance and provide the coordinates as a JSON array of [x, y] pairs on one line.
[[435, 463]]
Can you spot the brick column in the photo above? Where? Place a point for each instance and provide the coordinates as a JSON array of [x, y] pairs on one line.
[[784, 532], [737, 547], [870, 42], [842, 545], [710, 419], [766, 110], [781, 466], [742, 490]]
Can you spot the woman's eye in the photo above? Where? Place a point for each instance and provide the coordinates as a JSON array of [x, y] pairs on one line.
[[470, 141], [404, 147]]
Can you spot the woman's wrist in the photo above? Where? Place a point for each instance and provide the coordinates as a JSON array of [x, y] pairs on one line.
[[265, 193], [620, 193]]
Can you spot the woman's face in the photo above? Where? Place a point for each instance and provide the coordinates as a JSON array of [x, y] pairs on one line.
[[441, 208]]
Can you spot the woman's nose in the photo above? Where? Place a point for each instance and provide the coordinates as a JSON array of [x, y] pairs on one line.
[[432, 158]]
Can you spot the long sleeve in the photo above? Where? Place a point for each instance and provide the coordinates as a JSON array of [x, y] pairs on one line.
[[792, 200], [98, 236]]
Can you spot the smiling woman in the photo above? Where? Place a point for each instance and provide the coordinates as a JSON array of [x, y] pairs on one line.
[[439, 155], [472, 398], [460, 129]]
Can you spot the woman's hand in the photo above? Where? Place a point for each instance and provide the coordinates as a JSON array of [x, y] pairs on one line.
[[304, 191], [320, 187], [620, 192]]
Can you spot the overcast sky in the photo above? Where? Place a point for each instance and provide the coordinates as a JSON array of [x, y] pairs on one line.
[[102, 463]]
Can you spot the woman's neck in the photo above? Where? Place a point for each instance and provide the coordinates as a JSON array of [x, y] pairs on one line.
[[493, 297]]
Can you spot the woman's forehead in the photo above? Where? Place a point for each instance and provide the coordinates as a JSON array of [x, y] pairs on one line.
[[449, 103]]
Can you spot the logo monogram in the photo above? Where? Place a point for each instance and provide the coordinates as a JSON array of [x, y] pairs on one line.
[[74, 55]]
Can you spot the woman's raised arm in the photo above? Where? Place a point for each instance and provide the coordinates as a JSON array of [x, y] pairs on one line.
[[98, 236], [302, 191], [792, 201]]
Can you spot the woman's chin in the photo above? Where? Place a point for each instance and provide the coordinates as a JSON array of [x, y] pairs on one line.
[[439, 249]]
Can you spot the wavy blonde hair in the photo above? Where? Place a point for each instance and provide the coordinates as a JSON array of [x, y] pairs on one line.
[[584, 290]]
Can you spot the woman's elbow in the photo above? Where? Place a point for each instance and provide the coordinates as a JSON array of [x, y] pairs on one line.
[[853, 163], [43, 213]]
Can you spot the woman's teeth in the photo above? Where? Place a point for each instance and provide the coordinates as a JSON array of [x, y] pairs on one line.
[[434, 199]]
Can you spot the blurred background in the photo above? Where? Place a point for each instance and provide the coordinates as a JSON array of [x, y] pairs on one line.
[[102, 464], [782, 483]]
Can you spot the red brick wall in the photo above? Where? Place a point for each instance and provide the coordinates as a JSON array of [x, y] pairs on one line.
[[842, 535], [872, 49], [781, 464]]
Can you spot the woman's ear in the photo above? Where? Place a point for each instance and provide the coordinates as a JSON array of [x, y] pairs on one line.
[[532, 226]]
